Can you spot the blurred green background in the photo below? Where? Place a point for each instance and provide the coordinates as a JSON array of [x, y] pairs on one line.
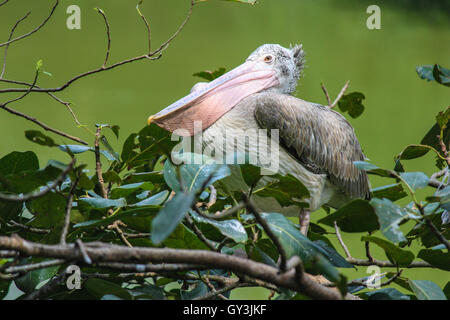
[[400, 107]]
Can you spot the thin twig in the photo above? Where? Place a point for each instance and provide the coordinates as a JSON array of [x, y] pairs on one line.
[[147, 25], [51, 286], [69, 203], [34, 30], [212, 196], [136, 235], [444, 150], [8, 254], [251, 207], [10, 37], [43, 125], [199, 234], [219, 292], [437, 233], [344, 88], [115, 226], [341, 241], [221, 215], [23, 95], [150, 56], [149, 267], [167, 42], [387, 264], [326, 93], [67, 104], [34, 266], [28, 228], [98, 164], [108, 34]]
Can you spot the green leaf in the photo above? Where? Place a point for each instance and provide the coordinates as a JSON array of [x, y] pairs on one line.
[[154, 200], [28, 282], [416, 180], [155, 177], [102, 203], [313, 256], [183, 238], [434, 73], [110, 154], [392, 192], [153, 142], [385, 294], [437, 258], [251, 174], [333, 256], [389, 217], [114, 128], [16, 162], [447, 290], [442, 75], [430, 138], [426, 290], [49, 210], [75, 149], [194, 173], [99, 288], [414, 151], [352, 103], [128, 148], [287, 190], [210, 75], [38, 137], [372, 169], [395, 254], [10, 210], [39, 65], [231, 228], [112, 177], [127, 189], [356, 216], [144, 212], [198, 291], [27, 181], [147, 291], [293, 242], [170, 216]]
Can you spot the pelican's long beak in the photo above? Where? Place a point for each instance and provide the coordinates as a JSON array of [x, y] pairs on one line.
[[216, 98]]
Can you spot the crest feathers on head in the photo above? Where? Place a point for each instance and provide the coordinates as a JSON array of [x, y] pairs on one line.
[[299, 56]]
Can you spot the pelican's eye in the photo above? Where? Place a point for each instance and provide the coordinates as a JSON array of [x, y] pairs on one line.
[[268, 58]]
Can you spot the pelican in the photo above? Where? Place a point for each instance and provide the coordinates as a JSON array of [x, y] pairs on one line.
[[317, 145]]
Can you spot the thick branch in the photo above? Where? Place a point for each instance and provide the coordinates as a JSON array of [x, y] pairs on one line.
[[99, 252]]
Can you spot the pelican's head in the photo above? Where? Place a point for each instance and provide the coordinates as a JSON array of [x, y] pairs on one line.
[[269, 68], [287, 64]]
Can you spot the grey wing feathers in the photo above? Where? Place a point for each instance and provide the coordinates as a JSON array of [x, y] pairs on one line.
[[319, 137]]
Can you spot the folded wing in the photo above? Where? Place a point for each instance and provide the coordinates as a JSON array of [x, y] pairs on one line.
[[319, 138]]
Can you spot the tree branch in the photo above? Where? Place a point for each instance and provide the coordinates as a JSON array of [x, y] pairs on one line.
[[10, 37], [99, 252], [34, 30]]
